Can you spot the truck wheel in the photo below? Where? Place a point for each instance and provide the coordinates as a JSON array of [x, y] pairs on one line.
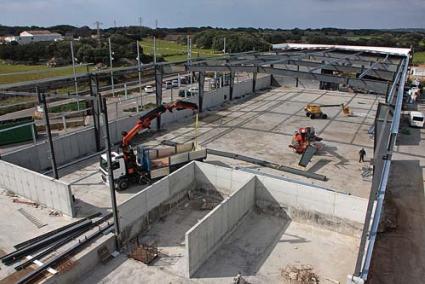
[[122, 185], [324, 116], [308, 114]]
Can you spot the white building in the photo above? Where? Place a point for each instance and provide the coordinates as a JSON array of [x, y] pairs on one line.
[[26, 37]]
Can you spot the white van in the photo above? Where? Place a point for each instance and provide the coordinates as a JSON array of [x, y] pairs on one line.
[[416, 119]]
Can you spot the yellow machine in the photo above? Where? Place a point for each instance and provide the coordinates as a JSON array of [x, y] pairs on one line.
[[315, 110]]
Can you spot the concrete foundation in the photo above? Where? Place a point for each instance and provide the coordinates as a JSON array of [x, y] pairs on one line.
[[288, 202]]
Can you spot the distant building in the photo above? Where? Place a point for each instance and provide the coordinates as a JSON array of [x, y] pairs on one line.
[[26, 37]]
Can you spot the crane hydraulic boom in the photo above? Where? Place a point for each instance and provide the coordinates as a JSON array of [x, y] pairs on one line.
[[144, 122]]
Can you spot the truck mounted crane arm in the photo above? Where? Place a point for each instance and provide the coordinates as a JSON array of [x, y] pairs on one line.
[[144, 121]]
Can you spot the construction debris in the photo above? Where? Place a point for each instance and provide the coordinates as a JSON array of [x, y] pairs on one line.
[[145, 253], [238, 279], [300, 274], [16, 200]]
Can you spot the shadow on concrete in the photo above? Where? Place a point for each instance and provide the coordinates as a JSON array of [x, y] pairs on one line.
[[333, 152], [318, 165], [399, 256], [252, 241], [102, 271], [408, 135], [247, 248], [84, 209]]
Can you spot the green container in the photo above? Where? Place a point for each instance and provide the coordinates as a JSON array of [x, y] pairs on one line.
[[19, 134]]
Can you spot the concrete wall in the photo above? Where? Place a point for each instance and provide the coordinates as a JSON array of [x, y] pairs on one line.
[[241, 89], [210, 232], [39, 188], [336, 211], [134, 212], [216, 97], [263, 82], [67, 148], [226, 180]]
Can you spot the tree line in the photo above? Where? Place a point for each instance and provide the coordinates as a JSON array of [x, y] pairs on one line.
[[90, 50]]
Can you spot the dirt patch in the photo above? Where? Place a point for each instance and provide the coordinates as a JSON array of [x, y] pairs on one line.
[[389, 217], [299, 274]]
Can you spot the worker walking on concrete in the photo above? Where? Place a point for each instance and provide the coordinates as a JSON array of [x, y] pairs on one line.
[[362, 154]]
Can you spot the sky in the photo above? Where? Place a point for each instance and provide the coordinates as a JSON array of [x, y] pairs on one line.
[[286, 14]]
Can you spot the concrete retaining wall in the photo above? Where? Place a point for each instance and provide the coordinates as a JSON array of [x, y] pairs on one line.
[[226, 180], [39, 188], [134, 212], [336, 211], [210, 232]]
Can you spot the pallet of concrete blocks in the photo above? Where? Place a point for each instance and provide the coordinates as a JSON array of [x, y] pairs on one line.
[[145, 253]]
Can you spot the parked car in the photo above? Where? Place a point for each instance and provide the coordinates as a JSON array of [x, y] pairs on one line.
[[416, 119], [194, 90], [168, 84], [186, 93], [149, 89], [175, 83]]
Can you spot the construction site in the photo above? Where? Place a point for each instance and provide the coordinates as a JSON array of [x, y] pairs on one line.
[[303, 170]]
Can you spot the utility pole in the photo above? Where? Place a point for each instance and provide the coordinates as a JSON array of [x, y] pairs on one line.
[[139, 69], [49, 137], [110, 64], [154, 42], [189, 55], [141, 27], [104, 109], [75, 75], [224, 45], [98, 24]]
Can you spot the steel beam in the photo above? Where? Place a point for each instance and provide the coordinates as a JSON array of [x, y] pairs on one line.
[[266, 164], [368, 85], [373, 67]]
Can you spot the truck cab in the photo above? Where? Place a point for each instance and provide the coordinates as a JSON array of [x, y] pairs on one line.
[[416, 119], [119, 169]]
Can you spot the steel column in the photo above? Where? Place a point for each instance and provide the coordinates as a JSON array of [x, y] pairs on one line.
[[158, 90], [201, 83], [104, 108], [254, 82], [49, 137], [94, 88], [231, 84]]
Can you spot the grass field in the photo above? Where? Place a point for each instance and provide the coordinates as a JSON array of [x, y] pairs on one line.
[[419, 57], [12, 73], [172, 51]]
